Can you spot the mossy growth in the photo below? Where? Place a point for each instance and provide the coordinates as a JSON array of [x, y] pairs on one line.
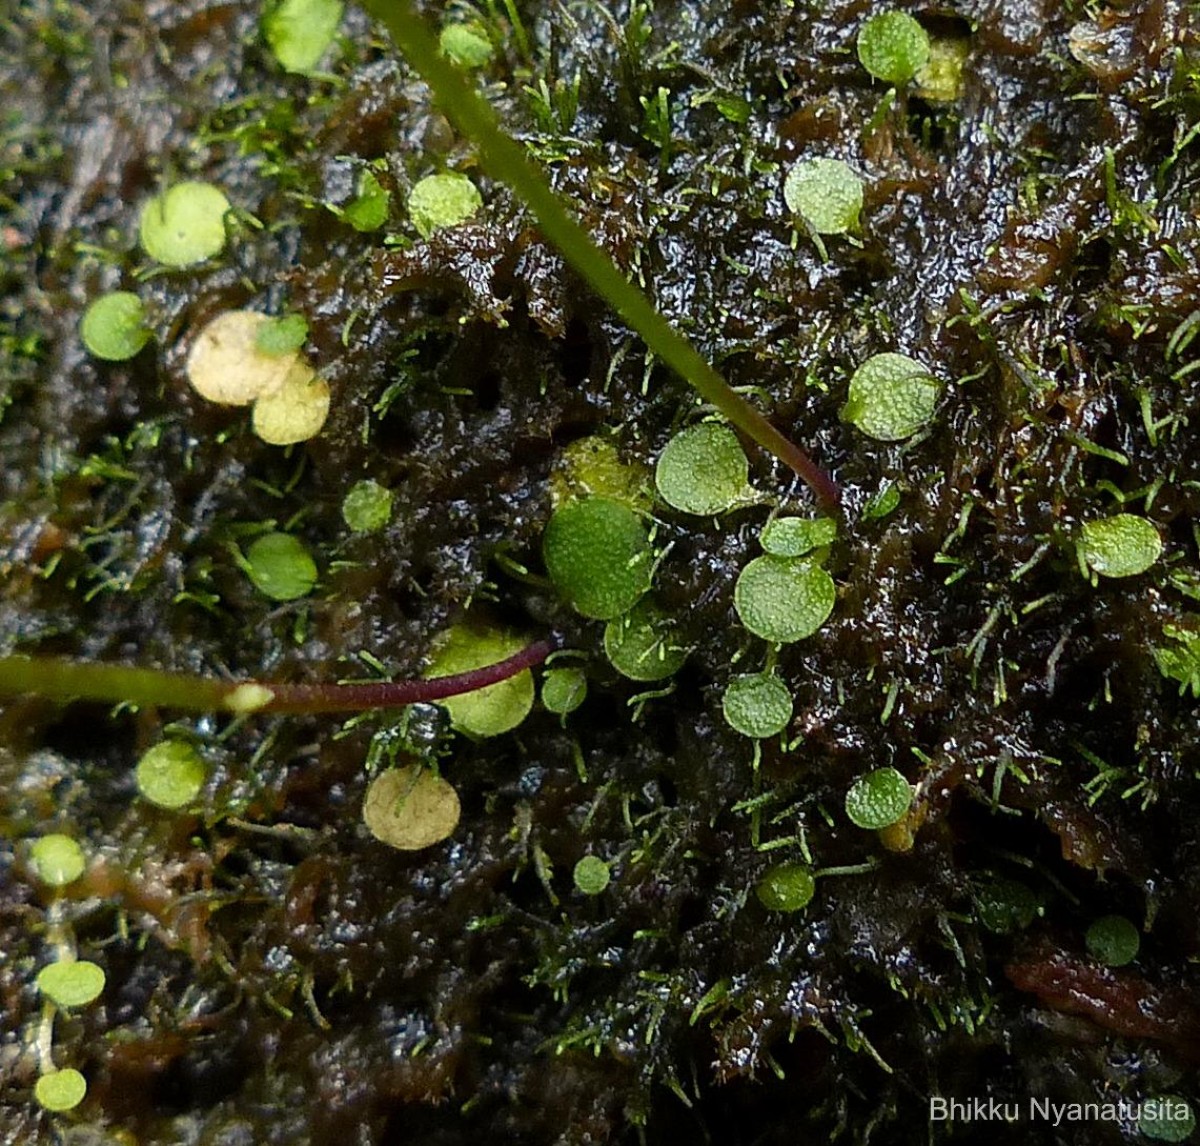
[[1166, 1118], [564, 690], [878, 799], [797, 536], [57, 859], [597, 552], [280, 567], [757, 705], [60, 1090], [591, 875], [171, 775], [367, 508], [1120, 546], [1113, 940], [893, 47], [466, 45], [783, 599], [592, 467], [891, 397], [71, 982], [826, 194], [940, 81], [184, 225], [490, 711], [299, 32], [643, 644], [440, 201], [410, 808], [114, 326], [703, 470], [786, 887]]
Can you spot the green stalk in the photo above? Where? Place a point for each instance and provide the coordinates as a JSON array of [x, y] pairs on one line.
[[58, 679], [505, 160]]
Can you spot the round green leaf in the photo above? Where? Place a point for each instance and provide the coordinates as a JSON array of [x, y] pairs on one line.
[[185, 224], [466, 45], [893, 47], [59, 1090], [891, 397], [114, 326], [597, 553], [299, 32], [171, 774], [1166, 1118], [486, 711], [786, 887], [71, 983], [703, 470], [564, 689], [591, 875], [410, 808], [1120, 546], [1006, 905], [642, 645], [367, 508], [1113, 940], [57, 859], [439, 201], [783, 599], [878, 799], [826, 194], [796, 536], [280, 567], [757, 705]]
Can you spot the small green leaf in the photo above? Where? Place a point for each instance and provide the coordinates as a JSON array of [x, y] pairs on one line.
[[71, 983], [783, 599], [466, 45], [703, 470], [282, 335], [57, 860], [796, 536], [114, 326], [368, 210], [786, 887], [591, 875], [280, 567], [597, 552], [410, 809], [1166, 1118], [642, 645], [893, 47], [440, 201], [60, 1090], [1113, 940], [891, 397], [184, 225], [367, 508], [878, 799], [564, 690], [171, 774], [826, 194], [487, 711], [757, 705], [1120, 546], [1006, 905], [299, 32]]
